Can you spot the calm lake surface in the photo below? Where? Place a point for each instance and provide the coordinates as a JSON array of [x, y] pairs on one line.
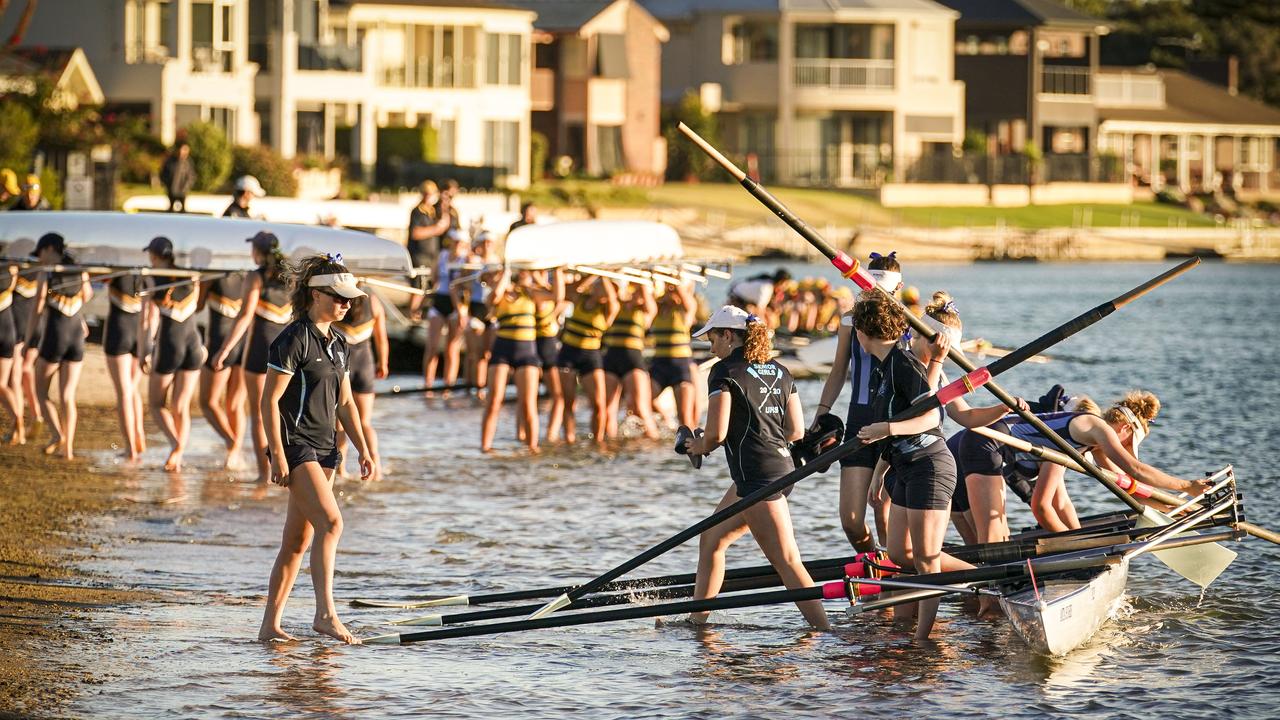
[[449, 520]]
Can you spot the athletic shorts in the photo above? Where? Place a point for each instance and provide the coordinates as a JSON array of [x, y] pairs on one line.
[[63, 339], [8, 334], [361, 367], [745, 489], [583, 361], [479, 311], [864, 457], [261, 335], [120, 335], [216, 335], [669, 372], [442, 305], [621, 361], [980, 455], [295, 455], [516, 353], [925, 479], [548, 351]]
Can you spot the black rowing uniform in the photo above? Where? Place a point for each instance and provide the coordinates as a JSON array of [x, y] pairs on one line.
[[756, 446], [178, 344], [122, 335], [24, 297], [357, 330], [925, 472], [224, 298], [862, 365], [274, 312], [309, 407], [980, 455], [63, 336], [8, 336]]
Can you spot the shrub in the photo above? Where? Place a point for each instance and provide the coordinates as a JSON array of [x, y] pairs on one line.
[[975, 142], [51, 187], [539, 149], [684, 160], [210, 155], [273, 171], [18, 136]]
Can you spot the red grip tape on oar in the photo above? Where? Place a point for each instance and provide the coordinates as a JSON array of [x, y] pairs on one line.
[[1133, 487], [966, 384], [849, 268], [838, 590], [855, 570]]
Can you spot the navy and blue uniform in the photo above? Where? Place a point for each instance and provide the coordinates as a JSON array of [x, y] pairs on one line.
[[756, 446], [122, 335], [924, 471], [224, 299], [63, 337], [309, 407], [980, 455], [861, 409]]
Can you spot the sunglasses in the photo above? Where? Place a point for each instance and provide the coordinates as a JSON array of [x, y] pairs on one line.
[[339, 299]]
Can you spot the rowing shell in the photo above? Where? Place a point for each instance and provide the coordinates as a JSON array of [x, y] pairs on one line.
[[593, 242], [109, 238], [1067, 611]]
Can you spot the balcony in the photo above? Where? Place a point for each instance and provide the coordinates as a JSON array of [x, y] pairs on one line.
[[1066, 80], [329, 58], [841, 74], [543, 92], [1131, 90]]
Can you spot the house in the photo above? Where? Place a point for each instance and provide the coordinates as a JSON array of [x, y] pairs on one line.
[[596, 84], [177, 60], [1170, 128], [821, 92], [1029, 68], [397, 82], [74, 83]]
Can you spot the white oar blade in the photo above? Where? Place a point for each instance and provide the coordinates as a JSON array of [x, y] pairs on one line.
[[392, 639], [1201, 564], [551, 607], [393, 605], [428, 620]]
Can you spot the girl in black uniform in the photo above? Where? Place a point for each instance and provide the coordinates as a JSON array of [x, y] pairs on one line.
[[754, 411], [222, 391], [8, 344], [59, 312], [24, 355], [264, 312], [122, 342], [178, 353], [365, 330], [307, 393]]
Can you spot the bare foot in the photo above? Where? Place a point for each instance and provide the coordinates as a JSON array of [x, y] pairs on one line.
[[535, 450], [334, 628], [53, 447], [274, 634], [174, 462], [233, 461], [68, 453], [486, 450]]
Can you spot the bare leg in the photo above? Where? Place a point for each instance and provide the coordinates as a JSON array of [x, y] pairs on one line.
[[293, 544], [964, 525], [636, 384], [686, 404], [236, 414], [158, 399], [9, 398], [712, 545], [69, 380], [139, 416], [453, 351], [555, 410], [612, 399], [569, 391], [927, 528], [13, 380], [313, 487], [213, 388], [855, 486], [770, 524], [31, 356], [184, 387], [431, 353], [43, 374], [901, 545], [120, 369], [527, 399], [593, 386], [493, 405], [986, 500], [364, 403], [254, 383]]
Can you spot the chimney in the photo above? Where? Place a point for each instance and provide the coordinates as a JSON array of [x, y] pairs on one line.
[[1233, 74]]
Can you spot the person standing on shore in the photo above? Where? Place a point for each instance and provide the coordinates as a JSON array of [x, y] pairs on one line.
[[59, 313], [307, 392], [427, 227], [31, 198], [246, 188], [178, 176]]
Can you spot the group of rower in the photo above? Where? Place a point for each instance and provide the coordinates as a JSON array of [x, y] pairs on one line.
[[908, 472]]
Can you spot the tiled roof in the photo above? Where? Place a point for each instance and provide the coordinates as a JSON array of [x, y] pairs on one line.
[[1019, 13], [672, 9], [1189, 99], [563, 14]]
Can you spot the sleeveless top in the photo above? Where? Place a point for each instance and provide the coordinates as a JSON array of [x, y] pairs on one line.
[[123, 292], [444, 273], [176, 304], [545, 319], [627, 330], [226, 295], [670, 333], [515, 316], [6, 289], [1057, 422], [64, 292], [585, 327], [273, 300], [357, 326]]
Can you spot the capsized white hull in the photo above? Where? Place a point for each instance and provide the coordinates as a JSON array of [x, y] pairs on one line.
[[1068, 611]]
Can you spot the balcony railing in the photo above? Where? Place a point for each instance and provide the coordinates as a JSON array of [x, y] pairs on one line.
[[839, 74], [1065, 81], [544, 89], [1130, 90], [335, 58]]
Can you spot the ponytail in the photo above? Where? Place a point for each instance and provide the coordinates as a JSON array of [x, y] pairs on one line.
[[757, 347]]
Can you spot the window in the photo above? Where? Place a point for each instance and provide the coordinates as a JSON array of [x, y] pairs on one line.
[[502, 145], [752, 41], [845, 41], [446, 133], [212, 35], [504, 59], [428, 56], [611, 56], [609, 149], [148, 30]]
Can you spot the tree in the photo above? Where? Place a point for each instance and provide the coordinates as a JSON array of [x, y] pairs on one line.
[[684, 160], [19, 134], [272, 170], [210, 154]]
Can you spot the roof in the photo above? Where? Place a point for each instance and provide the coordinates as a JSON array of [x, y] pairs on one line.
[[51, 61], [67, 67], [1020, 13], [477, 4], [1188, 99], [683, 9], [563, 14]]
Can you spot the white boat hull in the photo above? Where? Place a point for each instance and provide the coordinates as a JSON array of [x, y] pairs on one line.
[[1067, 612]]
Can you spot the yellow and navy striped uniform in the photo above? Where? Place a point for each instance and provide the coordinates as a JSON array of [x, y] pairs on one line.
[[627, 330], [516, 317], [670, 333], [357, 326], [585, 327], [544, 317]]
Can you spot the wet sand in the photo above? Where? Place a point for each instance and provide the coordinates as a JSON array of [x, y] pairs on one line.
[[47, 524]]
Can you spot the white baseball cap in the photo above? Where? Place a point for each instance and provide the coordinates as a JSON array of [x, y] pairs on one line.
[[343, 284], [727, 318], [249, 184]]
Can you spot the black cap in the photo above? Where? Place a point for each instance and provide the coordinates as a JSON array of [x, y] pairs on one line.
[[160, 245], [264, 241], [50, 240]]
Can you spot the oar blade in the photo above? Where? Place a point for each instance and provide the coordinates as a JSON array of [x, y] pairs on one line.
[[392, 639], [554, 605], [1201, 564], [453, 600], [422, 620]]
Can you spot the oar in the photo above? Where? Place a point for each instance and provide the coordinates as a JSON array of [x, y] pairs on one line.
[[634, 584], [179, 283], [850, 269], [375, 282], [945, 395], [1124, 481]]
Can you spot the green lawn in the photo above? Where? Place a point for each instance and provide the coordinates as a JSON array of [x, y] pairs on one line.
[[1047, 216]]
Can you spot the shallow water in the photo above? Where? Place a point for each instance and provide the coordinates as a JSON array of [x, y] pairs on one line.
[[450, 520]]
